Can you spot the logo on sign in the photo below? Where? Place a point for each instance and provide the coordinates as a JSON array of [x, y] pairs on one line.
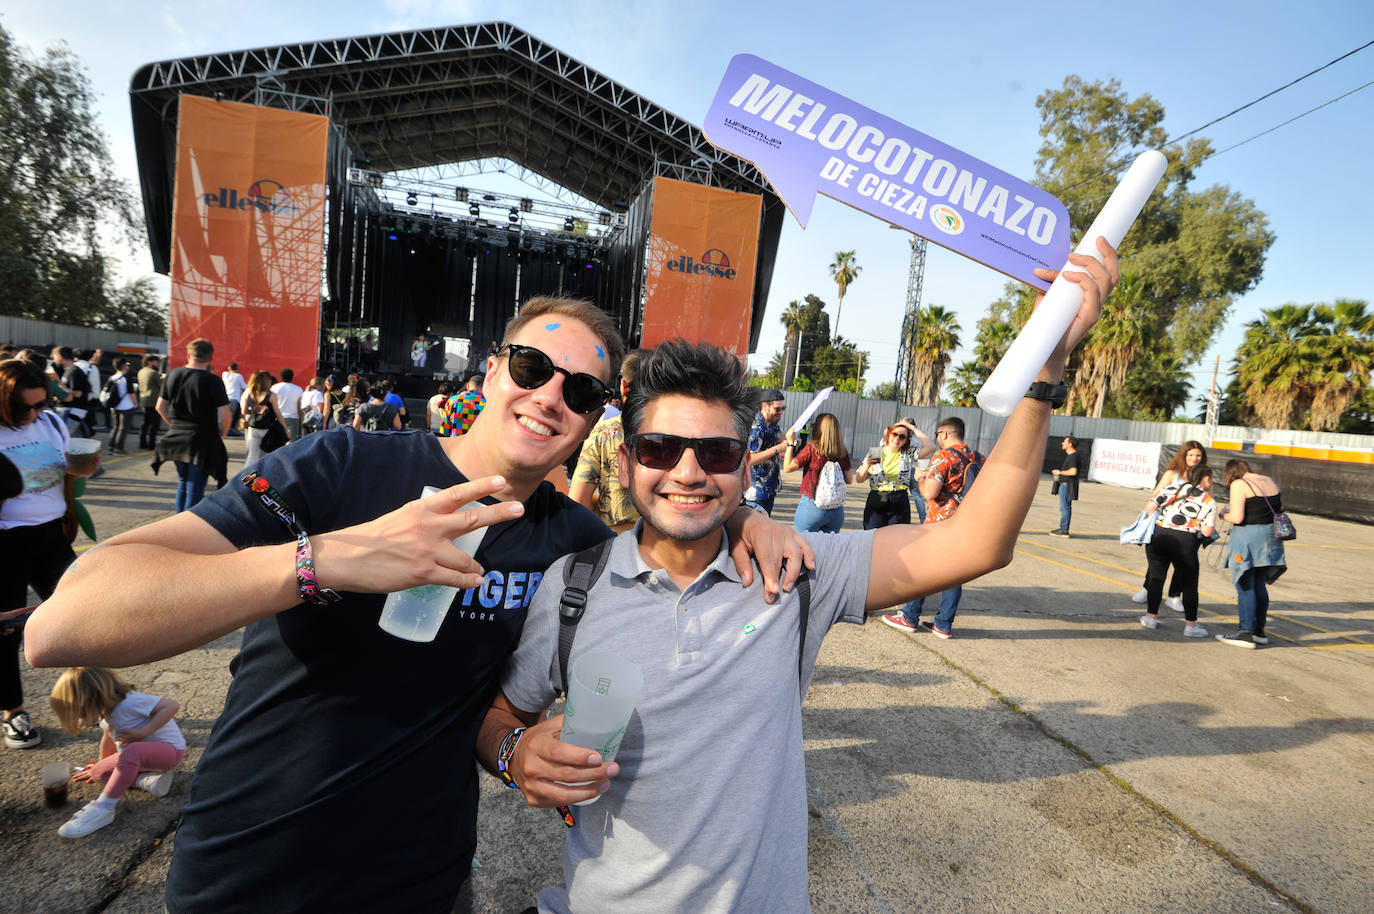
[[947, 219], [263, 195], [713, 264]]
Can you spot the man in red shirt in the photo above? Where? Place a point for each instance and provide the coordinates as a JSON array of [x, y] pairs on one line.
[[944, 486]]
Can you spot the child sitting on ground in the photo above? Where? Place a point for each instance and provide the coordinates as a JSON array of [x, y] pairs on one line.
[[140, 743]]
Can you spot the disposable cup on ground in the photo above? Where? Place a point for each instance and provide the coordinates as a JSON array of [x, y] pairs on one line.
[[603, 688], [83, 456], [56, 776], [417, 613]]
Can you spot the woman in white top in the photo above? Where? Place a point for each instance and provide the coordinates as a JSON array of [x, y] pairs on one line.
[[33, 549]]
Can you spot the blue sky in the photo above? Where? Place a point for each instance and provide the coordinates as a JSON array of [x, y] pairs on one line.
[[967, 74]]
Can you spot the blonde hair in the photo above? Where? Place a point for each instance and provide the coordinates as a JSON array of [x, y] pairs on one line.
[[85, 694], [829, 439]]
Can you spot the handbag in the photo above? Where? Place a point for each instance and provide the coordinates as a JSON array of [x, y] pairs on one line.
[[1283, 524], [1139, 532], [275, 438]]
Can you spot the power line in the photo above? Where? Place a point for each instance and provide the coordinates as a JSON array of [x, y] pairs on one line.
[[1223, 117], [1268, 94]]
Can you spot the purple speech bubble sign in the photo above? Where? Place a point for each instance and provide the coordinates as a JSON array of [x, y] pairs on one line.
[[807, 139]]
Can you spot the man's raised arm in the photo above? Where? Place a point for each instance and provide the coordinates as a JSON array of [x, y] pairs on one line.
[[175, 584], [909, 561]]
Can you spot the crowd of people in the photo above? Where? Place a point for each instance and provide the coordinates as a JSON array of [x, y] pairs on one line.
[[304, 551]]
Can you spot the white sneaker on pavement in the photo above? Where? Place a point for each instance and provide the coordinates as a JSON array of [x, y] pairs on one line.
[[1193, 630], [1140, 596], [1149, 622], [90, 818], [1174, 603]]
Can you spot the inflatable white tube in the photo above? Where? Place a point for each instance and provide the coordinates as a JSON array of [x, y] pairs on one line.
[[1032, 347]]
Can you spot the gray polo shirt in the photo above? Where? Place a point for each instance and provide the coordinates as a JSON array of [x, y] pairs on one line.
[[708, 812]]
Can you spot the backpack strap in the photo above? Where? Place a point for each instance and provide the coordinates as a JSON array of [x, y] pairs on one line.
[[578, 577], [804, 594]]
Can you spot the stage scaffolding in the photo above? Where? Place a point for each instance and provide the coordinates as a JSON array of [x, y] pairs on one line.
[[440, 103]]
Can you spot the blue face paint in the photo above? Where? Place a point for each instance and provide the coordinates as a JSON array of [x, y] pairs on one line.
[[552, 326], [600, 353]]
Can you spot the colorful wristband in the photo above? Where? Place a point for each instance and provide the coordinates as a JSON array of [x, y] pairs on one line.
[[503, 757], [306, 583]]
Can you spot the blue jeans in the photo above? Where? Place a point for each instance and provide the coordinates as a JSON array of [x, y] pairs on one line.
[[918, 501], [190, 484], [809, 518], [1065, 504], [949, 605], [1252, 599]]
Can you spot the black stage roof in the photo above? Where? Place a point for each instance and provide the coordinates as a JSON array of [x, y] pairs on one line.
[[433, 97]]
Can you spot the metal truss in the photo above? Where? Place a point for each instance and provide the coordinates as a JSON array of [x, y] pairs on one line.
[[435, 97], [906, 349]]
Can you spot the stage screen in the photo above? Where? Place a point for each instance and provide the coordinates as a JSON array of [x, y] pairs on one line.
[[703, 243], [248, 223]]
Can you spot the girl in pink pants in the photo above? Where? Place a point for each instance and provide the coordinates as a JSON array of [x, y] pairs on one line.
[[140, 743]]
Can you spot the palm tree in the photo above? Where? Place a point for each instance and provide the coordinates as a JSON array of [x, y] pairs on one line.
[[1274, 365], [965, 383], [1345, 350], [793, 318], [1113, 345], [937, 336], [844, 271]]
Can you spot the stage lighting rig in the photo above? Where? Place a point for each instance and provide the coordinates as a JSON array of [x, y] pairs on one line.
[[474, 210], [514, 215], [412, 199], [460, 194]]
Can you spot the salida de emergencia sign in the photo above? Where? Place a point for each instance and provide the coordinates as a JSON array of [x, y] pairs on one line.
[[806, 138]]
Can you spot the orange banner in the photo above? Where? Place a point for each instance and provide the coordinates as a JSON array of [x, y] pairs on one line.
[[703, 242], [248, 233]]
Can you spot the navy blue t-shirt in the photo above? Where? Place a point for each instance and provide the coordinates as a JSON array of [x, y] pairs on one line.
[[340, 775]]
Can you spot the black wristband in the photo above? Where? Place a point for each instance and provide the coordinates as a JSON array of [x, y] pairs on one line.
[[1055, 393]]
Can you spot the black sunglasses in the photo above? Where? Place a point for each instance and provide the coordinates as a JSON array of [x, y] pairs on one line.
[[658, 451], [529, 368]]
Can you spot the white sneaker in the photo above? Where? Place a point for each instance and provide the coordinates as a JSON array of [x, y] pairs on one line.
[[1194, 631], [1174, 603], [90, 818], [1140, 596], [158, 783], [1149, 622]]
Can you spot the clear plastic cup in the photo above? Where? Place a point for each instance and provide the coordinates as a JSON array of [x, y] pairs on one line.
[[603, 688], [56, 776], [417, 613], [83, 456]]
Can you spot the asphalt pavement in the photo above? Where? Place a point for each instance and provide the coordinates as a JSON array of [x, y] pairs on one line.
[[1053, 756]]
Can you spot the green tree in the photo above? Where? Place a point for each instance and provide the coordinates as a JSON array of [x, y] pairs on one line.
[[793, 319], [135, 307], [1157, 387], [839, 365], [887, 390], [58, 189], [965, 383], [1113, 345], [1306, 364], [1194, 251], [936, 338], [844, 270]]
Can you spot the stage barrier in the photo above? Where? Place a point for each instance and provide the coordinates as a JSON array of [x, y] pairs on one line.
[[248, 224]]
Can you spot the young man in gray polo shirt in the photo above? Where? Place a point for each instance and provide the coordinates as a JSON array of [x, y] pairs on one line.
[[705, 806]]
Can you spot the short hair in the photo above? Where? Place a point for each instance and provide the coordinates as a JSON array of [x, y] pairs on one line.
[[1073, 441], [445, 388], [17, 376], [287, 375], [121, 363], [387, 385], [84, 694], [83, 354], [65, 352], [954, 424], [630, 365], [1235, 468], [600, 323], [150, 359], [476, 381], [698, 370], [233, 366], [35, 360], [200, 349]]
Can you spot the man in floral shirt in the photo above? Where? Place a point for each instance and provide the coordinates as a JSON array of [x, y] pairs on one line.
[[765, 451]]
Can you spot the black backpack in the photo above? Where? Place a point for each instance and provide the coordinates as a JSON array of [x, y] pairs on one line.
[[580, 574]]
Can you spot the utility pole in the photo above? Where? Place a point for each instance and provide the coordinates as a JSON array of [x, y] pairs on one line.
[[796, 369]]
